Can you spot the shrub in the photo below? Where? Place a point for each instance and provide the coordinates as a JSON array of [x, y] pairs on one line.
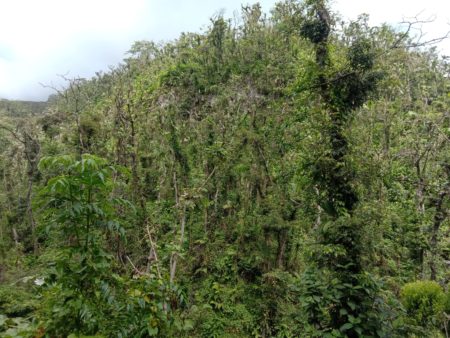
[[447, 303], [423, 301], [79, 213]]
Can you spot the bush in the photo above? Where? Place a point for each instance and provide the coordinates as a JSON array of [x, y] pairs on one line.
[[447, 303], [423, 301], [16, 301]]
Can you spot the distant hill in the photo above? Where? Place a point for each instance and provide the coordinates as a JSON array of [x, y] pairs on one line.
[[15, 108]]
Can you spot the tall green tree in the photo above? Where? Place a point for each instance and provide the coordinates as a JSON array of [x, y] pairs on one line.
[[346, 307]]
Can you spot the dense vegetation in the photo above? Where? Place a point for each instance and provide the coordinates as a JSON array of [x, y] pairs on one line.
[[21, 108], [275, 176]]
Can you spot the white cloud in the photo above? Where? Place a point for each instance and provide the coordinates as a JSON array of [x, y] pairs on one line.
[[40, 39]]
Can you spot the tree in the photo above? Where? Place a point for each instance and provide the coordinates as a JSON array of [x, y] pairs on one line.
[[78, 215], [346, 306]]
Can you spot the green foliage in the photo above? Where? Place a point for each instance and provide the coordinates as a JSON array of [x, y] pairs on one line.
[[288, 174], [21, 108], [16, 301], [16, 327], [356, 297], [424, 302], [447, 303], [339, 295], [81, 293], [79, 288], [145, 308], [17, 305]]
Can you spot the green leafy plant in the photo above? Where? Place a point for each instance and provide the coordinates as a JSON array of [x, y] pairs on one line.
[[424, 302], [79, 213], [17, 327], [447, 303]]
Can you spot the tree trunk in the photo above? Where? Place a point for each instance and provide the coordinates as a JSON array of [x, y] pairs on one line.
[[282, 241], [182, 209]]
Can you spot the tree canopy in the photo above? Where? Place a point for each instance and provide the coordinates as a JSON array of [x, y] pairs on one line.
[[279, 175]]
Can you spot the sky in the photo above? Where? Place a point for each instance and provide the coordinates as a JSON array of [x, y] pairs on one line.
[[41, 39]]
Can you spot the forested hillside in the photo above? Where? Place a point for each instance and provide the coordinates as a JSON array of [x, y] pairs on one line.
[[278, 175], [21, 108]]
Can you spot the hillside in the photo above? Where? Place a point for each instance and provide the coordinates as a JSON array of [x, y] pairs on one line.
[[274, 176], [16, 108]]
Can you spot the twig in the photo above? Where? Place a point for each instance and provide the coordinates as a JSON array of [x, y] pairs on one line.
[[134, 267], [153, 248]]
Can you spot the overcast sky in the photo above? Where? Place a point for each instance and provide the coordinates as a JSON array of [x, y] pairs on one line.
[[42, 38]]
